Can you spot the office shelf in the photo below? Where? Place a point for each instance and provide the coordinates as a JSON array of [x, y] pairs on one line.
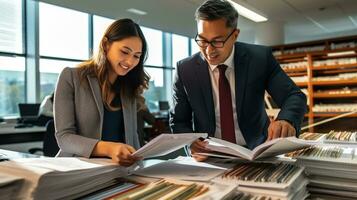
[[331, 114], [329, 95], [341, 67], [331, 70], [335, 82]]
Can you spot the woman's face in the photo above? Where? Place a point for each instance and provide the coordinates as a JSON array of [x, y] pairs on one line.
[[124, 55]]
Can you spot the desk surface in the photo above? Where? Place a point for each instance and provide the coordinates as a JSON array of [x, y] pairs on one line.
[[14, 155], [13, 130], [9, 134]]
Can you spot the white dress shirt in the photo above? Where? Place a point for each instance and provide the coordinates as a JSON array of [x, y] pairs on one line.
[[214, 74]]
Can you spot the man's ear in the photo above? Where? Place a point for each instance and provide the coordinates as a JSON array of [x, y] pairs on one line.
[[236, 34]]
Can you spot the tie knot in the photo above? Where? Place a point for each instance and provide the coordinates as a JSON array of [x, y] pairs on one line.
[[222, 68]]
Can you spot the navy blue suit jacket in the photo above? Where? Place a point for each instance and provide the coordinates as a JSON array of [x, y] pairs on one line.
[[256, 70]]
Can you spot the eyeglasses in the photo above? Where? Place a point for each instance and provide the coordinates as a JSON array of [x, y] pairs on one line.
[[213, 43]]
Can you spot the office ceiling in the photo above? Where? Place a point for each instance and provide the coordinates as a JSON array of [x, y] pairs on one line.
[[302, 19]]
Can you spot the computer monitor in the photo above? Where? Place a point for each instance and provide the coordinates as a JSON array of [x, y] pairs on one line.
[[164, 106], [29, 112]]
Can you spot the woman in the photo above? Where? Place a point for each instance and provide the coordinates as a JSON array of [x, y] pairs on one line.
[[95, 107]]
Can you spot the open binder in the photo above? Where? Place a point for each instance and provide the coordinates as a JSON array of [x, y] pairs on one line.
[[278, 146]]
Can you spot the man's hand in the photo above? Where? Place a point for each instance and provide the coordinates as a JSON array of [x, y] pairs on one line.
[[280, 128], [199, 146]]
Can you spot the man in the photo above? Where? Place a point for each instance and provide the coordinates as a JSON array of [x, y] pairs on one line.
[[220, 91]]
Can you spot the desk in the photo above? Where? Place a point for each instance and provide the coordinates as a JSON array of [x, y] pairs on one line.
[[14, 155], [11, 135]]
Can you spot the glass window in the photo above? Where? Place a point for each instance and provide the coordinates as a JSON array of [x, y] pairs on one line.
[[11, 26], [194, 47], [156, 91], [100, 24], [63, 32], [49, 71], [179, 50], [154, 40], [12, 84]]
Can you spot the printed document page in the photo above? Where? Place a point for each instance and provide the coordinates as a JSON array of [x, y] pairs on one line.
[[167, 143]]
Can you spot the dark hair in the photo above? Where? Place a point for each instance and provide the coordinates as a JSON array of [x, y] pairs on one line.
[[99, 65], [218, 9]]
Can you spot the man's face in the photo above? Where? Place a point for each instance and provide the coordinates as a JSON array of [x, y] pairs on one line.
[[216, 31]]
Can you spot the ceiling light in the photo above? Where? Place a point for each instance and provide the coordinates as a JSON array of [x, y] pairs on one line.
[[136, 11], [248, 13]]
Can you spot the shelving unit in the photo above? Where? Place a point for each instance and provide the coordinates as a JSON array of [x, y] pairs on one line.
[[327, 70]]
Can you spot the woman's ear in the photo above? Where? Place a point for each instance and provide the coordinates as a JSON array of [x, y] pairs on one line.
[[105, 44]]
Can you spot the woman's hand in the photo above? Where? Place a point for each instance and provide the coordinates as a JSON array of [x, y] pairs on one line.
[[120, 153]]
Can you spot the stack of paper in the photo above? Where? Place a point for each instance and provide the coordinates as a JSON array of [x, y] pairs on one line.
[[332, 171], [56, 178], [344, 137], [168, 189], [339, 138], [138, 187], [9, 186], [318, 137], [184, 168], [273, 180]]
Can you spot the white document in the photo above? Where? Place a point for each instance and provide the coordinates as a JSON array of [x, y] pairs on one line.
[[183, 169], [56, 178], [271, 148], [167, 143]]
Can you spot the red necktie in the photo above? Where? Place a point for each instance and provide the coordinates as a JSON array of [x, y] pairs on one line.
[[225, 106]]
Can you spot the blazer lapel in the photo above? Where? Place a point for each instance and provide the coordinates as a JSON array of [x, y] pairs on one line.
[[128, 112], [204, 81], [93, 83], [240, 69]]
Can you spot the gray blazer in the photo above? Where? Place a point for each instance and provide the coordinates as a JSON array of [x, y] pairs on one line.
[[78, 115]]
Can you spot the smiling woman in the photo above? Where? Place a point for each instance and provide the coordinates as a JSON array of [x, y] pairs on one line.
[[95, 103]]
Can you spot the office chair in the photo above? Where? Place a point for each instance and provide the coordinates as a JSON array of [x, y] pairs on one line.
[[164, 105], [50, 147]]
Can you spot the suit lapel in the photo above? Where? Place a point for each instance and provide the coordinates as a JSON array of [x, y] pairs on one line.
[[240, 70], [204, 80], [93, 83], [127, 115]]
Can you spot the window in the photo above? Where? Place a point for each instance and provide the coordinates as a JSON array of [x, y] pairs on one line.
[[12, 67], [11, 26], [12, 84], [49, 71], [100, 24], [179, 50], [156, 91], [194, 47], [63, 32], [154, 40]]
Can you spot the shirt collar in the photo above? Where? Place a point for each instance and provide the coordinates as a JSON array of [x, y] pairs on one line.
[[229, 61]]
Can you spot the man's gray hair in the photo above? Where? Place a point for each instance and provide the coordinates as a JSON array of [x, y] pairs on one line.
[[218, 9]]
